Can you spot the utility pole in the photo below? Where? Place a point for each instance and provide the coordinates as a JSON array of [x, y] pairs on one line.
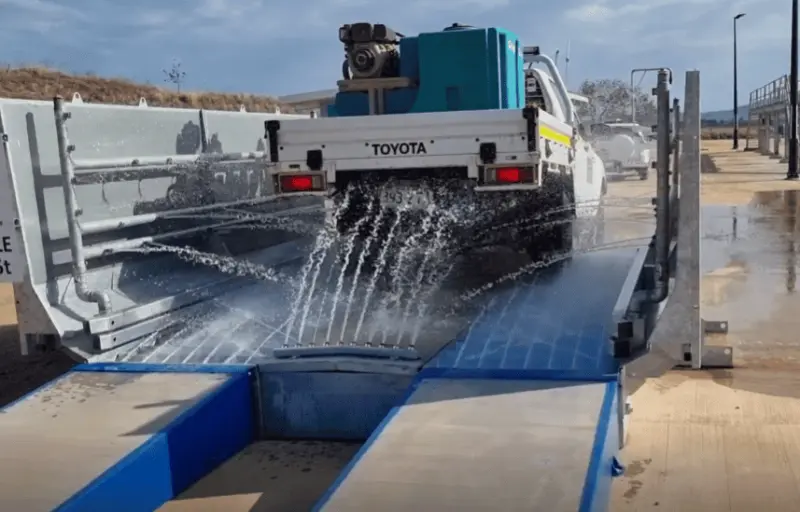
[[736, 85], [791, 173]]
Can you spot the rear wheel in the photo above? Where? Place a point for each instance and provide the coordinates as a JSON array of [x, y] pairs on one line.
[[643, 174], [365, 233], [352, 223], [557, 218]]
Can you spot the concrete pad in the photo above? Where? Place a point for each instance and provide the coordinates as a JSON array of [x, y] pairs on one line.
[[713, 441], [741, 174]]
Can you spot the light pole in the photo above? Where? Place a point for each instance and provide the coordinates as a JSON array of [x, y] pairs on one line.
[[791, 173], [736, 85]]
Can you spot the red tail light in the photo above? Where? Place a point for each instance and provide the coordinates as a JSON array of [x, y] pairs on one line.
[[301, 182], [297, 183], [509, 175]]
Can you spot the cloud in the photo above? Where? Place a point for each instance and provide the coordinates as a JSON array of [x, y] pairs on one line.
[[286, 46], [636, 27], [687, 34], [42, 7], [609, 11]]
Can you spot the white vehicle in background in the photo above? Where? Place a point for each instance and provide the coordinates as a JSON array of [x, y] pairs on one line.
[[625, 148]]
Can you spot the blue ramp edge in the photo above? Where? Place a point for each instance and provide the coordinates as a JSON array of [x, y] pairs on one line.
[[602, 467], [602, 464], [555, 323], [216, 427]]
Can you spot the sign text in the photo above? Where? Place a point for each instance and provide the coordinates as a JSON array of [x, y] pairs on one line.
[[5, 248], [399, 148]]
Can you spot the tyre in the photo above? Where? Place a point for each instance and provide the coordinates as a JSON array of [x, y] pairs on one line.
[[643, 174], [346, 219], [367, 232], [351, 228], [615, 172], [558, 216], [174, 196]]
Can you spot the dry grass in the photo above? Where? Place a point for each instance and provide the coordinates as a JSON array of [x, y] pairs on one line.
[[39, 83], [724, 132]]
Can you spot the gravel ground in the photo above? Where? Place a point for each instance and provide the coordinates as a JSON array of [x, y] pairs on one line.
[[20, 375]]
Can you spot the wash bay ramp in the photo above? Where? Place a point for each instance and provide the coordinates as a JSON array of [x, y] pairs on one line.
[[522, 410], [520, 413], [517, 413]]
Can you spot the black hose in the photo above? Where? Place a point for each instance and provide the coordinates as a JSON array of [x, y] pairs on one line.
[[347, 74]]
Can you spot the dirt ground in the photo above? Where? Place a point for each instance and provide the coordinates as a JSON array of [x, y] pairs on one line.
[[40, 83], [20, 375]]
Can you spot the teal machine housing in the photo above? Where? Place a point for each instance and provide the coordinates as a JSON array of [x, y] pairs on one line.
[[459, 68]]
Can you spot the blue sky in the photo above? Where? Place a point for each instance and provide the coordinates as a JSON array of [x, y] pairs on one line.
[[288, 46]]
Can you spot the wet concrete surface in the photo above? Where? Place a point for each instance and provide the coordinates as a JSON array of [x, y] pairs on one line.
[[726, 440], [750, 259]]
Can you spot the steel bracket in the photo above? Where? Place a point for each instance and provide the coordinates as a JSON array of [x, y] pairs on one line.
[[715, 326]]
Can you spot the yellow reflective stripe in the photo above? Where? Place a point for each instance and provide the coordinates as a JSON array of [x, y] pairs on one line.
[[555, 136]]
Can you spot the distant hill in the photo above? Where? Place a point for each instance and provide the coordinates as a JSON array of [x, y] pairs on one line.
[[725, 116], [42, 84]]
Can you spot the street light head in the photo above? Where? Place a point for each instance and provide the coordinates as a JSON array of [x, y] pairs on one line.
[[740, 15]]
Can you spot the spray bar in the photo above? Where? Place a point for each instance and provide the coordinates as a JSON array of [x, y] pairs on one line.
[[100, 226], [110, 248], [102, 299], [162, 161], [107, 249]]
